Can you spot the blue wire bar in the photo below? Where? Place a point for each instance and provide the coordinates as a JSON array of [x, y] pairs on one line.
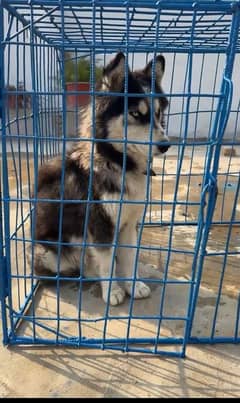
[[57, 61]]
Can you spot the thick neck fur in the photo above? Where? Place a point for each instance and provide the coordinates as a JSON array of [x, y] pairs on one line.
[[133, 183], [84, 152]]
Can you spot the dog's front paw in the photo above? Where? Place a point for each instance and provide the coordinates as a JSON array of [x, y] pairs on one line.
[[116, 297], [141, 290]]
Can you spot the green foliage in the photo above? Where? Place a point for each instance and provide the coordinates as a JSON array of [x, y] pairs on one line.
[[78, 70]]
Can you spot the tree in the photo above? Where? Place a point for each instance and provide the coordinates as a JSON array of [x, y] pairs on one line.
[[77, 69]]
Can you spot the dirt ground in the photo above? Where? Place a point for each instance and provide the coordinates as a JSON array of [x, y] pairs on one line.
[[208, 371]]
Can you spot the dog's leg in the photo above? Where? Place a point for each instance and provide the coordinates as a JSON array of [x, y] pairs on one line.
[[126, 262], [104, 258]]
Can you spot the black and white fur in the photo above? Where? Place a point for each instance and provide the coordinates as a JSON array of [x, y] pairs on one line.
[[106, 184]]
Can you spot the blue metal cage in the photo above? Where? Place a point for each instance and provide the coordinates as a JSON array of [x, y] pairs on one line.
[[189, 232]]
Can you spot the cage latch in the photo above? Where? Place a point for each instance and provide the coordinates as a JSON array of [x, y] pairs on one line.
[[209, 195], [212, 185]]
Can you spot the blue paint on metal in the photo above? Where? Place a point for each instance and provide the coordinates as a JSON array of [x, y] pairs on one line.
[[39, 32]]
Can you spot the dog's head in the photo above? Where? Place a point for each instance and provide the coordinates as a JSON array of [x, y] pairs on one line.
[[144, 115], [129, 114]]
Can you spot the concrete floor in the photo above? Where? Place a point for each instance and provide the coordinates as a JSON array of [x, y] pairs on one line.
[[208, 371]]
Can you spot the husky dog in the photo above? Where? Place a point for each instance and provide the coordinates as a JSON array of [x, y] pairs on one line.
[[94, 218]]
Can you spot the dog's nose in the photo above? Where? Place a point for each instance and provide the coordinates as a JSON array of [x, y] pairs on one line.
[[163, 149]]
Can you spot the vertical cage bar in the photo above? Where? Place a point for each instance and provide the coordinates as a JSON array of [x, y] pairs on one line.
[[211, 172], [2, 174]]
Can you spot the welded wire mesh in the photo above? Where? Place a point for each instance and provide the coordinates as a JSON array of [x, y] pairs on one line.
[[190, 224]]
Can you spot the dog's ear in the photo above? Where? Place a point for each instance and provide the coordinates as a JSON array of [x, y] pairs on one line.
[[114, 73], [159, 69]]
